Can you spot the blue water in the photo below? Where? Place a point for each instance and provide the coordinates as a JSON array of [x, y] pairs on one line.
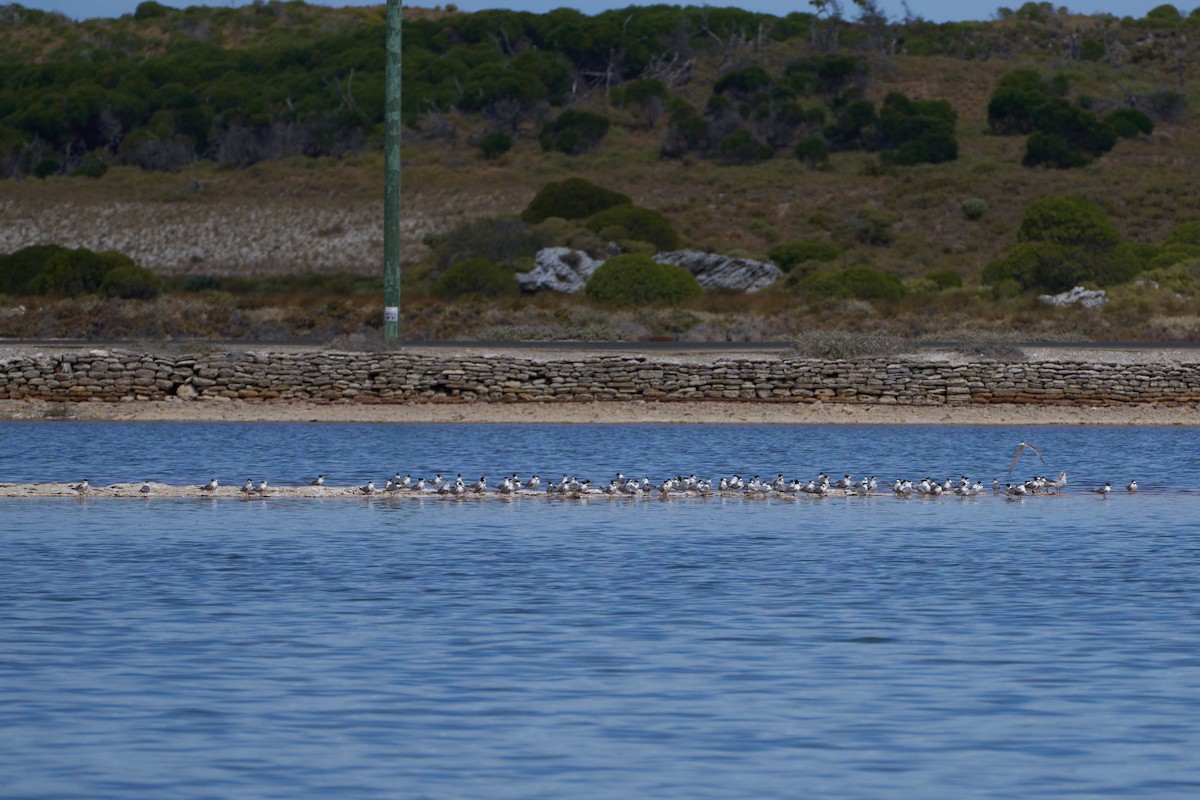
[[840, 648]]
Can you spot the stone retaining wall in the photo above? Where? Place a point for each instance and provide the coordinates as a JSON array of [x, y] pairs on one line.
[[406, 377]]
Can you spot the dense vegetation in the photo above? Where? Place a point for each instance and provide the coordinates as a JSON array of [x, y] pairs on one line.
[[162, 88], [884, 164]]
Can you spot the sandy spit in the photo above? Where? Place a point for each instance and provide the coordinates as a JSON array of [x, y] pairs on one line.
[[707, 412]]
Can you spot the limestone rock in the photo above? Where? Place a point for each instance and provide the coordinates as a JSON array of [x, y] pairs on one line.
[[1087, 298], [558, 269], [715, 271]]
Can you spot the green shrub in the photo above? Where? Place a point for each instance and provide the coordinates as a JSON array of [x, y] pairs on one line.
[[859, 282], [1068, 221], [973, 208], [788, 256], [742, 148], [1170, 254], [149, 10], [477, 276], [574, 198], [916, 131], [1164, 16], [1092, 50], [945, 279], [573, 132], [1052, 150], [92, 166], [634, 222], [647, 96], [854, 127], [630, 280], [873, 227], [1056, 268], [1185, 233], [46, 167], [131, 282], [19, 270], [495, 145], [76, 272], [200, 283], [1143, 251], [813, 151], [743, 81], [1129, 122]]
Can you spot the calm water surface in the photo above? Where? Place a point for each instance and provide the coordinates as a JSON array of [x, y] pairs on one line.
[[864, 648]]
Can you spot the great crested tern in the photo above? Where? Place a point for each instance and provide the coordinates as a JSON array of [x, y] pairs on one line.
[[1021, 448]]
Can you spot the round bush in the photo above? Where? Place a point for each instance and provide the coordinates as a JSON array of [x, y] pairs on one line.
[[200, 283], [1055, 268], [1052, 150], [631, 280], [129, 281], [1170, 254], [1129, 122], [813, 151], [945, 279], [634, 222], [76, 272], [859, 282], [788, 256], [477, 276], [19, 270], [574, 198], [573, 132], [495, 145], [149, 10], [743, 148], [1068, 221], [1186, 233], [973, 208], [46, 167], [92, 166]]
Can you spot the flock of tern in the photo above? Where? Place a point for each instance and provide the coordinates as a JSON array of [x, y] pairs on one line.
[[620, 485]]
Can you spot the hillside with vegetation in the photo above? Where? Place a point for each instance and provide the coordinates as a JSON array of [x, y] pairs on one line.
[[908, 176]]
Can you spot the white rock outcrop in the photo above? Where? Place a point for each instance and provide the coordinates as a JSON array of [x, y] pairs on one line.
[[1087, 298], [715, 271], [558, 269]]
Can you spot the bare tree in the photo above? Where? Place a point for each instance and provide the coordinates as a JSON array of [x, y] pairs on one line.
[[671, 72], [346, 92], [827, 23], [881, 35], [611, 74], [504, 115]]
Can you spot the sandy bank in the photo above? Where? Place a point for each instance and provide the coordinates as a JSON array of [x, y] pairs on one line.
[[708, 412]]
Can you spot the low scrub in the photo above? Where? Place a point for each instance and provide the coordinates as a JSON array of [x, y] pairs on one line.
[[628, 222], [478, 277], [788, 256], [573, 132], [846, 345], [858, 282]]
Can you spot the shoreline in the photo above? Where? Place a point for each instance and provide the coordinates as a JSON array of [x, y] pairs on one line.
[[709, 412]]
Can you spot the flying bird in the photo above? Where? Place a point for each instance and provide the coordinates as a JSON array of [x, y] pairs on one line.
[[1021, 448]]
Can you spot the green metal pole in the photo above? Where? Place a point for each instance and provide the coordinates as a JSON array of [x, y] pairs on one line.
[[391, 197]]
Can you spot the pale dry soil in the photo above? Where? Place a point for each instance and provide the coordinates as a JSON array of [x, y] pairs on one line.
[[710, 412]]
